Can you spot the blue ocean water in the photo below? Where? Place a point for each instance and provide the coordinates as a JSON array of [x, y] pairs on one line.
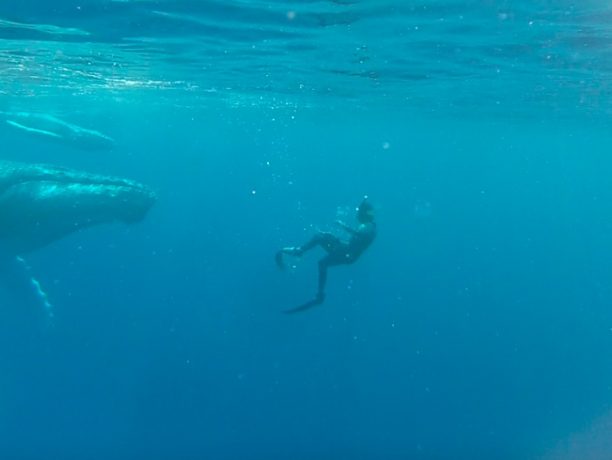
[[478, 325]]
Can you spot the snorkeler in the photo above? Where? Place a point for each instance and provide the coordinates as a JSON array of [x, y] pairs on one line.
[[338, 252]]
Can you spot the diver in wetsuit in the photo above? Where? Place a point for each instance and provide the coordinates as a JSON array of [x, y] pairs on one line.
[[338, 252]]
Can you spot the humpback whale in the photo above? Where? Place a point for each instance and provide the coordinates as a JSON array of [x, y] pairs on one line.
[[40, 204], [47, 126]]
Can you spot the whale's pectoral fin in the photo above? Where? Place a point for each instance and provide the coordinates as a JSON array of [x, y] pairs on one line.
[[16, 279]]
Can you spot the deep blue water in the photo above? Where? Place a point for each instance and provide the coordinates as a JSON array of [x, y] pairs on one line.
[[478, 325]]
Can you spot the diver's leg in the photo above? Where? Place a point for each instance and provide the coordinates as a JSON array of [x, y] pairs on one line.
[[327, 241], [331, 260], [328, 261], [320, 297], [323, 265]]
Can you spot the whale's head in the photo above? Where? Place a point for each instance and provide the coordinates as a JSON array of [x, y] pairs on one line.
[[40, 204]]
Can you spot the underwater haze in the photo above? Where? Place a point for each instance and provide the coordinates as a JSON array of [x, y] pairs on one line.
[[478, 325]]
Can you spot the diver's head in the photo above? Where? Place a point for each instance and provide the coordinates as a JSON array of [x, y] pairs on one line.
[[365, 212]]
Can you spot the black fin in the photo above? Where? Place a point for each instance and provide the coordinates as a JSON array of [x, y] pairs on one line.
[[312, 303]]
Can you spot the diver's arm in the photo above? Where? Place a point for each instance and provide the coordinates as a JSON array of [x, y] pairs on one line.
[[346, 228]]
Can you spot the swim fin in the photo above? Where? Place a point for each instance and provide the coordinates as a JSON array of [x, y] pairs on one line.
[[318, 300]]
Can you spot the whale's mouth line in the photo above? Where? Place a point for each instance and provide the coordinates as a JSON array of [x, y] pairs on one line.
[[101, 182], [41, 174]]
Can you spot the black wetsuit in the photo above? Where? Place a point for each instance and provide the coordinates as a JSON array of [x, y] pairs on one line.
[[338, 253]]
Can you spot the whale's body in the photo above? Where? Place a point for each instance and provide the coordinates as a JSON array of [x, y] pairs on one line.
[[49, 127], [40, 204]]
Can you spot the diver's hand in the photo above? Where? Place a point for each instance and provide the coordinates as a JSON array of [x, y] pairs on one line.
[[345, 227]]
